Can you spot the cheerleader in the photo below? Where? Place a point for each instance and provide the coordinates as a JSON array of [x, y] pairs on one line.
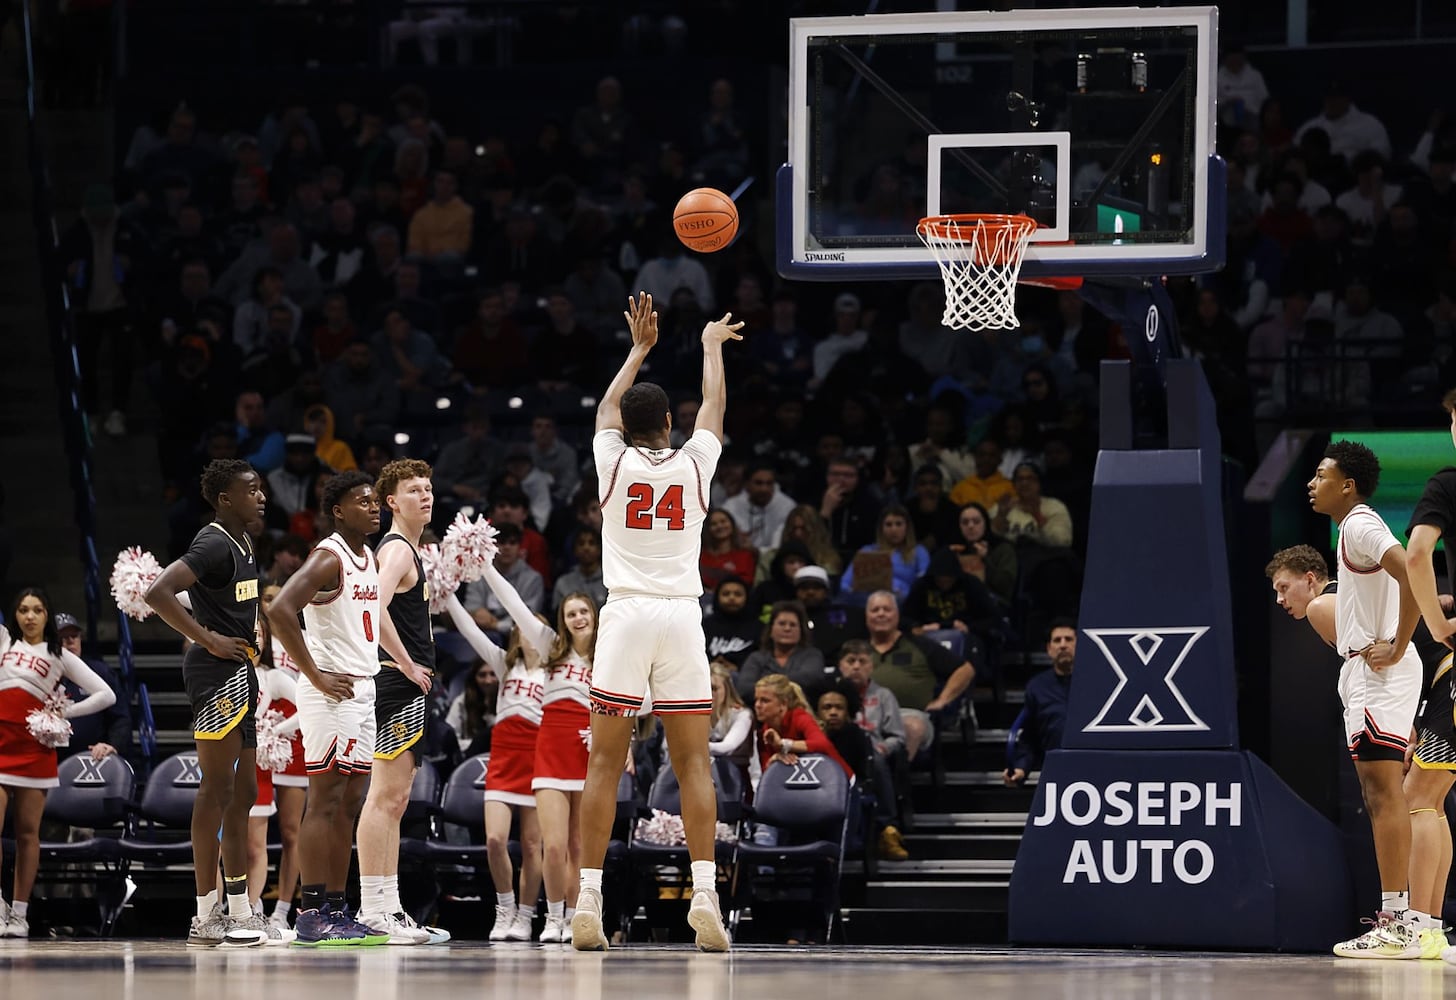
[[32, 666], [277, 690], [561, 745], [512, 763]]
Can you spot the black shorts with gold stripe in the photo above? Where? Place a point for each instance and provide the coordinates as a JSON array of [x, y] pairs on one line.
[[1437, 721], [399, 711], [223, 695]]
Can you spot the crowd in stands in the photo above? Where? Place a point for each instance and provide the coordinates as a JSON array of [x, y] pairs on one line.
[[335, 284]]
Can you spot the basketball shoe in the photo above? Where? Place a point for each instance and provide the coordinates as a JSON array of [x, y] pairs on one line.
[[505, 918], [1387, 938], [323, 929], [707, 921], [587, 933], [394, 928]]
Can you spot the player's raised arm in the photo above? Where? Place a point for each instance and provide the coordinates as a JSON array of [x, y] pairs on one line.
[[715, 387], [642, 321]]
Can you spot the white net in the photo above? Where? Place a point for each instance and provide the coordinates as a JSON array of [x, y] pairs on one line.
[[980, 258]]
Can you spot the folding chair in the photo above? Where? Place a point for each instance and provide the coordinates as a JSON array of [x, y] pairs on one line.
[[93, 795], [161, 835]]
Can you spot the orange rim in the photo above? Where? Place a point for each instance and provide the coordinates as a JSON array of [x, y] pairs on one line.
[[983, 231]]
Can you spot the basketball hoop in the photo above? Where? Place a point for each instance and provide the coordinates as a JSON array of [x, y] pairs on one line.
[[980, 257]]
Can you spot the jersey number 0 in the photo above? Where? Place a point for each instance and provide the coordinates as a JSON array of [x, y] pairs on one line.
[[641, 509]]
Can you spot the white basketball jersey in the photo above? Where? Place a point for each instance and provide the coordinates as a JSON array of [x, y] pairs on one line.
[[1367, 604], [653, 507], [342, 630]]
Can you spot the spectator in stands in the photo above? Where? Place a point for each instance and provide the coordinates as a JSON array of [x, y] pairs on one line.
[[318, 421], [1046, 705], [784, 647], [374, 283], [338, 252], [1433, 196], [923, 337], [1366, 330], [1284, 220], [306, 209], [491, 352], [181, 307], [724, 553], [258, 444], [847, 508], [251, 323], [554, 457], [722, 147], [586, 576], [1320, 264], [846, 337], [411, 171], [986, 486], [732, 629], [1027, 515], [672, 269], [423, 312], [440, 232], [181, 153], [103, 255], [563, 354], [522, 474], [472, 713], [284, 558], [280, 250], [361, 393], [1241, 88], [511, 506], [838, 707], [761, 509], [242, 222], [520, 252], [922, 675], [933, 518], [427, 24], [1367, 203], [601, 133], [103, 733], [947, 597], [597, 292], [782, 350], [481, 602], [785, 726], [896, 538], [944, 443], [293, 485], [879, 711], [777, 583], [410, 358], [831, 624], [334, 331], [1350, 130], [731, 724]]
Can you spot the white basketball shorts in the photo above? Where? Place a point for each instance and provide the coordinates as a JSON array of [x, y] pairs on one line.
[[651, 644], [337, 735], [1380, 706]]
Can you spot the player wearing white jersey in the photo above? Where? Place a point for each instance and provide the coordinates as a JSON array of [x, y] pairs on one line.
[[337, 591], [512, 765], [1380, 683], [32, 666], [654, 501], [290, 786]]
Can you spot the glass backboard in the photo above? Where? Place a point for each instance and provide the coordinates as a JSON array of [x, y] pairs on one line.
[[1097, 123]]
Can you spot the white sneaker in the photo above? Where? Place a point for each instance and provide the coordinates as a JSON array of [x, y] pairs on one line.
[[555, 932], [587, 933], [399, 932], [15, 927], [273, 935], [115, 423], [566, 935], [505, 919], [706, 920], [521, 927], [1388, 938], [279, 920]]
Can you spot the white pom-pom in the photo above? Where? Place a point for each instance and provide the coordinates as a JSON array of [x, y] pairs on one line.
[[662, 828], [48, 724], [725, 834], [134, 571], [470, 546], [440, 577], [275, 752]]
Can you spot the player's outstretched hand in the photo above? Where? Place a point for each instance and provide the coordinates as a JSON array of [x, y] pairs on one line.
[[719, 330], [642, 320]]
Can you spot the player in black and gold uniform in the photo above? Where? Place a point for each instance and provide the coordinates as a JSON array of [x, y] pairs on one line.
[[220, 574], [399, 707]]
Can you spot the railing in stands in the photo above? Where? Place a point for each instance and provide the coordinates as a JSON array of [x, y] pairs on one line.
[[67, 373]]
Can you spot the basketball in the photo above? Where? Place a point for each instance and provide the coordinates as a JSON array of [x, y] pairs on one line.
[[706, 220]]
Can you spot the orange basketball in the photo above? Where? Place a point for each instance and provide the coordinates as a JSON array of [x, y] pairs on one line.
[[705, 219]]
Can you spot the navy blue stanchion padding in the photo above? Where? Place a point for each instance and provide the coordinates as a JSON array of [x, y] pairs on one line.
[[1150, 827]]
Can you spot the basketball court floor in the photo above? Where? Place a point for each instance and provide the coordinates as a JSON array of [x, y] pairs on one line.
[[157, 970]]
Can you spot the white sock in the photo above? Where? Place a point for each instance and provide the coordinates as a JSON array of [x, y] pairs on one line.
[[238, 906], [568, 913], [206, 903], [591, 878], [371, 894], [527, 912], [20, 909], [556, 909], [1420, 921], [505, 900], [1395, 903], [282, 910], [391, 894], [705, 877]]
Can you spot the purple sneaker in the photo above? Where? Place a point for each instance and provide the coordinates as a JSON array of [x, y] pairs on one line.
[[322, 928]]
